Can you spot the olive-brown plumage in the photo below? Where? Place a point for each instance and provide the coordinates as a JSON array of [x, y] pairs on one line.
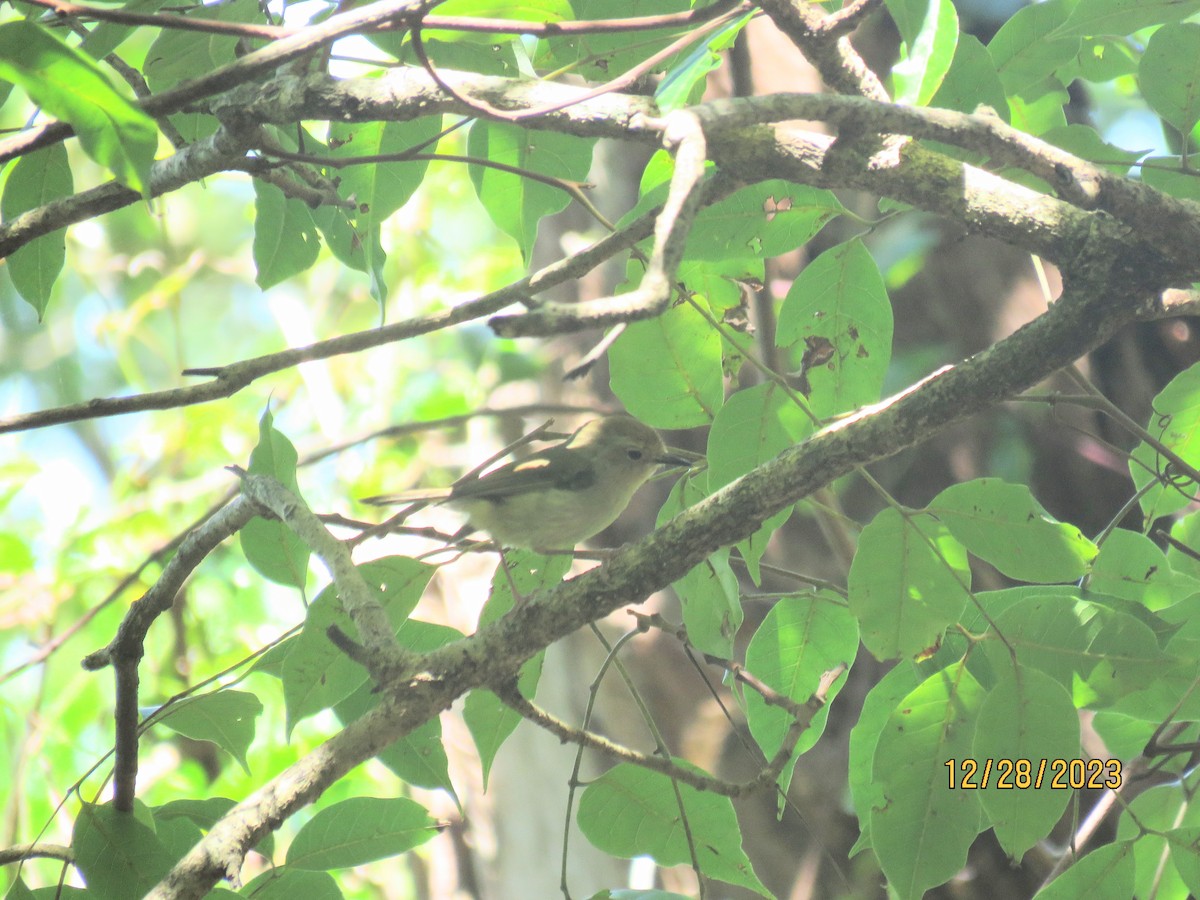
[[562, 495]]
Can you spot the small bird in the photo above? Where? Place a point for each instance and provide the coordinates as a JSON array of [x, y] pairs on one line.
[[557, 497]]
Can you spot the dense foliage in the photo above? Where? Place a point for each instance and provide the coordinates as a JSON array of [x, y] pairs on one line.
[[305, 242]]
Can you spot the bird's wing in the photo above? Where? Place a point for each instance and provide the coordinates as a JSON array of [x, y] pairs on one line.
[[571, 473]]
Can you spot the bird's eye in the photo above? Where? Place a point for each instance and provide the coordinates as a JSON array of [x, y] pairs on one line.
[[635, 455]]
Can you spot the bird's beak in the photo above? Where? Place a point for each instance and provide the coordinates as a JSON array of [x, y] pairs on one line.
[[675, 461]]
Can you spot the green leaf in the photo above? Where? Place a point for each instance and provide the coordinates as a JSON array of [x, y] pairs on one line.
[[720, 284], [455, 50], [16, 556], [801, 639], [1175, 423], [1028, 47], [840, 301], [548, 11], [1120, 17], [1186, 533], [285, 237], [909, 16], [712, 607], [487, 718], [1104, 874], [1085, 142], [180, 54], [1026, 717], [689, 490], [928, 52], [908, 582], [419, 757], [754, 425], [117, 853], [271, 547], [1130, 565], [1103, 59], [224, 717], [1169, 75], [105, 37], [971, 80], [630, 811], [283, 883], [667, 371], [922, 829], [761, 220], [178, 836], [517, 204], [1185, 854], [1003, 524], [1124, 736], [202, 813], [1167, 174], [1041, 115], [72, 87], [18, 890], [684, 83], [1099, 652], [603, 56], [884, 697], [378, 189], [36, 179], [1145, 822], [1129, 658], [381, 188], [316, 674], [342, 237], [1047, 633], [360, 830]]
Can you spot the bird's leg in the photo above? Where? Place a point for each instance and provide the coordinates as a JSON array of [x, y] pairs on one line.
[[518, 597]]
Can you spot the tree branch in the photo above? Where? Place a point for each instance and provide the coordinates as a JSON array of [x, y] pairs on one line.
[[246, 68], [695, 778], [1080, 182], [984, 201], [480, 25], [929, 180], [220, 152], [825, 46], [21, 852], [683, 133], [125, 650], [228, 380], [383, 656]]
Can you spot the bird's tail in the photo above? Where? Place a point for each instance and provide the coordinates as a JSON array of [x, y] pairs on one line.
[[419, 495]]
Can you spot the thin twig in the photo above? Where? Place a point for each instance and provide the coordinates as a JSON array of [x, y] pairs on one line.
[[683, 133], [228, 380]]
